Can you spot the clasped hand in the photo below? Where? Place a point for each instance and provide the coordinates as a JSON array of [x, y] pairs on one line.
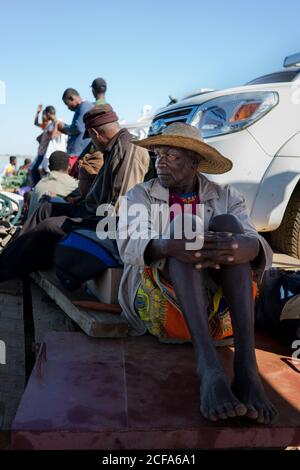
[[219, 248]]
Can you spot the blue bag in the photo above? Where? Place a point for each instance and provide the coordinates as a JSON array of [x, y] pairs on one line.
[[81, 255], [278, 288]]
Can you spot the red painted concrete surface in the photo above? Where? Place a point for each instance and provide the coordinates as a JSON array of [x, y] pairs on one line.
[[136, 393]]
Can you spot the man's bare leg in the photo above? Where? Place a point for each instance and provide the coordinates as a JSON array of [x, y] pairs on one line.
[[217, 399], [236, 282]]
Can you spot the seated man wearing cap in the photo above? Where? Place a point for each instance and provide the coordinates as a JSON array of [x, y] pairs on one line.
[[33, 248], [180, 291]]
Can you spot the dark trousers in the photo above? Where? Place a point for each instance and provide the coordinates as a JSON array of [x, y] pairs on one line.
[[35, 175], [33, 248]]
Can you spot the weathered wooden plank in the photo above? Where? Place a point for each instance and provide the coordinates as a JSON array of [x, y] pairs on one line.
[[47, 315], [95, 324]]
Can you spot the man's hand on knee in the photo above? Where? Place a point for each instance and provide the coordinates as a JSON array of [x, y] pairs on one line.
[[225, 248], [177, 249]]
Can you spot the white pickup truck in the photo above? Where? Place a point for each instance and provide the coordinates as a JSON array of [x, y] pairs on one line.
[[257, 126]]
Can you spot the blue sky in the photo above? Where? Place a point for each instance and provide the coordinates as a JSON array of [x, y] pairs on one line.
[[145, 50]]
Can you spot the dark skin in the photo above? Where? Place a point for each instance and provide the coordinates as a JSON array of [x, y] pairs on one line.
[[98, 95], [72, 102], [227, 252]]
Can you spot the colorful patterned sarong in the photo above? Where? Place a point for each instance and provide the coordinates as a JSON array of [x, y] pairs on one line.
[[157, 306]]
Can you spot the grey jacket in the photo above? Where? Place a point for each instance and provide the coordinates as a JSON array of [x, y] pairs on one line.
[[217, 199]]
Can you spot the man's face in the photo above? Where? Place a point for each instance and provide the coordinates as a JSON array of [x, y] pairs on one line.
[[72, 101], [99, 141], [174, 166], [14, 161], [51, 116]]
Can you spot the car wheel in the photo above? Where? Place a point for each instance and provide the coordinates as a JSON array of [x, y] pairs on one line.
[[286, 238]]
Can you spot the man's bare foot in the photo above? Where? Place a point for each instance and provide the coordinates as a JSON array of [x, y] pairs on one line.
[[217, 400], [248, 388]]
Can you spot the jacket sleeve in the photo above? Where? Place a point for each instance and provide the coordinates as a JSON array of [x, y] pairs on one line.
[[138, 169], [73, 129], [135, 229], [132, 172], [237, 206]]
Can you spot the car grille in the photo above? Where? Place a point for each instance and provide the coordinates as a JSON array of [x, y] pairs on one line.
[[162, 120]]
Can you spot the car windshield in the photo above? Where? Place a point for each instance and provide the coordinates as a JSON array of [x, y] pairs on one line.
[[284, 76]]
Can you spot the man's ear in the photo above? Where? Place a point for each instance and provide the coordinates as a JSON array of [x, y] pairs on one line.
[[195, 163], [94, 132]]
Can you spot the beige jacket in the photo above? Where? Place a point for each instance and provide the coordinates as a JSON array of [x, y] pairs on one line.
[[56, 183], [217, 199]]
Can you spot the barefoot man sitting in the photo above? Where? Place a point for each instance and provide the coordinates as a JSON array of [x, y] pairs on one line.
[[205, 294]]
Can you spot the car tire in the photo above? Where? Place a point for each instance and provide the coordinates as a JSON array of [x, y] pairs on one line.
[[286, 238]]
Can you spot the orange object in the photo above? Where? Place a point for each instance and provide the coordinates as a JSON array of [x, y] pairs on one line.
[[244, 111]]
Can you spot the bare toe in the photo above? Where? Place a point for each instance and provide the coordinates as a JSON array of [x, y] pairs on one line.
[[217, 399], [252, 413], [221, 412], [249, 390], [209, 413], [213, 416], [204, 411], [240, 410], [261, 418], [229, 410]]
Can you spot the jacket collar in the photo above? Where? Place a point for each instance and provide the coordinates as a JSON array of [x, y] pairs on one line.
[[123, 133], [207, 190]]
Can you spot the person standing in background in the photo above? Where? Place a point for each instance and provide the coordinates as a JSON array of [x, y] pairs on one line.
[[11, 168], [26, 165], [45, 119], [75, 131], [99, 88], [24, 171], [43, 140], [90, 161], [57, 142]]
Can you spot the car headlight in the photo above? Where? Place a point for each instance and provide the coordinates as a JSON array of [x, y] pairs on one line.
[[232, 113]]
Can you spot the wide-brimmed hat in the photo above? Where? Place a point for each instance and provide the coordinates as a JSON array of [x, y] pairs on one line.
[[189, 137]]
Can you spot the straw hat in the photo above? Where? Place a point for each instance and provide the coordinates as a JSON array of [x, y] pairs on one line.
[[188, 137]]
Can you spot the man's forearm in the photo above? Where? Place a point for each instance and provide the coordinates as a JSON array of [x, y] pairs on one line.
[[254, 246]]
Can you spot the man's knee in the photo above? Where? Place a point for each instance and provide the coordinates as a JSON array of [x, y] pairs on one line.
[[52, 225], [226, 223]]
